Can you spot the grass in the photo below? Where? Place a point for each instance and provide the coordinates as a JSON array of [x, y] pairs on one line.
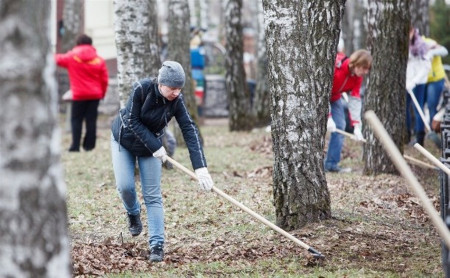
[[377, 229]]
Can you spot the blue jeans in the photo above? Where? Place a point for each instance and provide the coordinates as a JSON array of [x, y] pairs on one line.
[[336, 139], [150, 174], [419, 93], [433, 94]]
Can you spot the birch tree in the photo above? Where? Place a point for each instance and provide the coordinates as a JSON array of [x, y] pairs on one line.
[[33, 212], [354, 25], [261, 99], [420, 15], [301, 42], [73, 22], [178, 50], [136, 36], [238, 93], [386, 92], [73, 25]]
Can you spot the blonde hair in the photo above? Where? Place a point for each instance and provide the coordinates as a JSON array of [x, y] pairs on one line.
[[360, 58]]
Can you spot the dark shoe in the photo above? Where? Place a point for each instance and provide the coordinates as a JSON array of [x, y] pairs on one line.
[[72, 149], [156, 253], [338, 169], [432, 136], [420, 137], [168, 165], [134, 224]]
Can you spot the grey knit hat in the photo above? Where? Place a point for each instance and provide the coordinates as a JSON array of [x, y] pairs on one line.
[[171, 74]]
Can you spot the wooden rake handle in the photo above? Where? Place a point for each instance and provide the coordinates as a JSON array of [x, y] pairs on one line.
[[409, 158], [251, 212], [416, 104], [408, 175], [433, 159]]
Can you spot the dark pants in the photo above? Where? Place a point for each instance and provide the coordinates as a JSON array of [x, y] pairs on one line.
[[84, 110]]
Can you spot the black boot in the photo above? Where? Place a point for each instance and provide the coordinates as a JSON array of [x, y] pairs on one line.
[[134, 224], [420, 137], [157, 253]]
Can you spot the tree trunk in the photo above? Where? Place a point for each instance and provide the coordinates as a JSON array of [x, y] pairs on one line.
[[178, 50], [420, 10], [386, 93], [238, 93], [137, 46], [354, 26], [261, 98], [33, 214], [73, 20], [204, 22], [300, 78]]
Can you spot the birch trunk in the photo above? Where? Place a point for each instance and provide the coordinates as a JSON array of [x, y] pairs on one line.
[[178, 50], [420, 15], [261, 99], [33, 213], [238, 93], [73, 18], [301, 38], [386, 93], [136, 30]]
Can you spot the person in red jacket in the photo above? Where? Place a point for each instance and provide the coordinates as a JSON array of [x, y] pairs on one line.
[[88, 78], [348, 77]]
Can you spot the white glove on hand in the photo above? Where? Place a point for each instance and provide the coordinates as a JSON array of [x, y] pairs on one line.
[[161, 154], [357, 133], [331, 126], [204, 178], [428, 56]]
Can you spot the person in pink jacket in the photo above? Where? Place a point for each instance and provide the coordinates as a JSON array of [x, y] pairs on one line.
[[88, 78]]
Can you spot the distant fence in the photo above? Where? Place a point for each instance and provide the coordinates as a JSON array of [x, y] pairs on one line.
[[445, 182]]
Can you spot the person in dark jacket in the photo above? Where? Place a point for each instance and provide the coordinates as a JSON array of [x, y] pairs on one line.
[[88, 77], [136, 136]]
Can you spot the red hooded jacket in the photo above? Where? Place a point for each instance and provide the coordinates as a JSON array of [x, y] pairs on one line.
[[344, 80], [88, 74]]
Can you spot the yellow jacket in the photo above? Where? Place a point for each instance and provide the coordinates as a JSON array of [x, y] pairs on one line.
[[437, 71]]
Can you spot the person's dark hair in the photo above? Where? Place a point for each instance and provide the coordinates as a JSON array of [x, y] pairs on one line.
[[84, 39]]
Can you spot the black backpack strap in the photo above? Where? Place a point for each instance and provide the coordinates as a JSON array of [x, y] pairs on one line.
[[339, 64]]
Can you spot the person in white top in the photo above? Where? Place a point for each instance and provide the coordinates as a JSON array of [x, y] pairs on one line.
[[418, 67]]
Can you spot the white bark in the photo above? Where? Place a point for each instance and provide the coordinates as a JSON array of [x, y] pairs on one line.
[[385, 93], [137, 43], [33, 220], [301, 41], [238, 94], [73, 19]]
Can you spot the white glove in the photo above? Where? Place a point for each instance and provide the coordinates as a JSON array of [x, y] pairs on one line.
[[410, 86], [204, 178], [331, 126], [429, 55], [357, 133], [161, 154]]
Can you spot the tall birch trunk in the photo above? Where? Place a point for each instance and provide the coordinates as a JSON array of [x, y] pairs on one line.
[[302, 38], [73, 19], [420, 15], [238, 93], [386, 93], [261, 99], [178, 50], [136, 31], [33, 213]]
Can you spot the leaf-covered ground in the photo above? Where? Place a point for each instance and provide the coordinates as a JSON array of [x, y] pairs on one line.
[[378, 228]]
